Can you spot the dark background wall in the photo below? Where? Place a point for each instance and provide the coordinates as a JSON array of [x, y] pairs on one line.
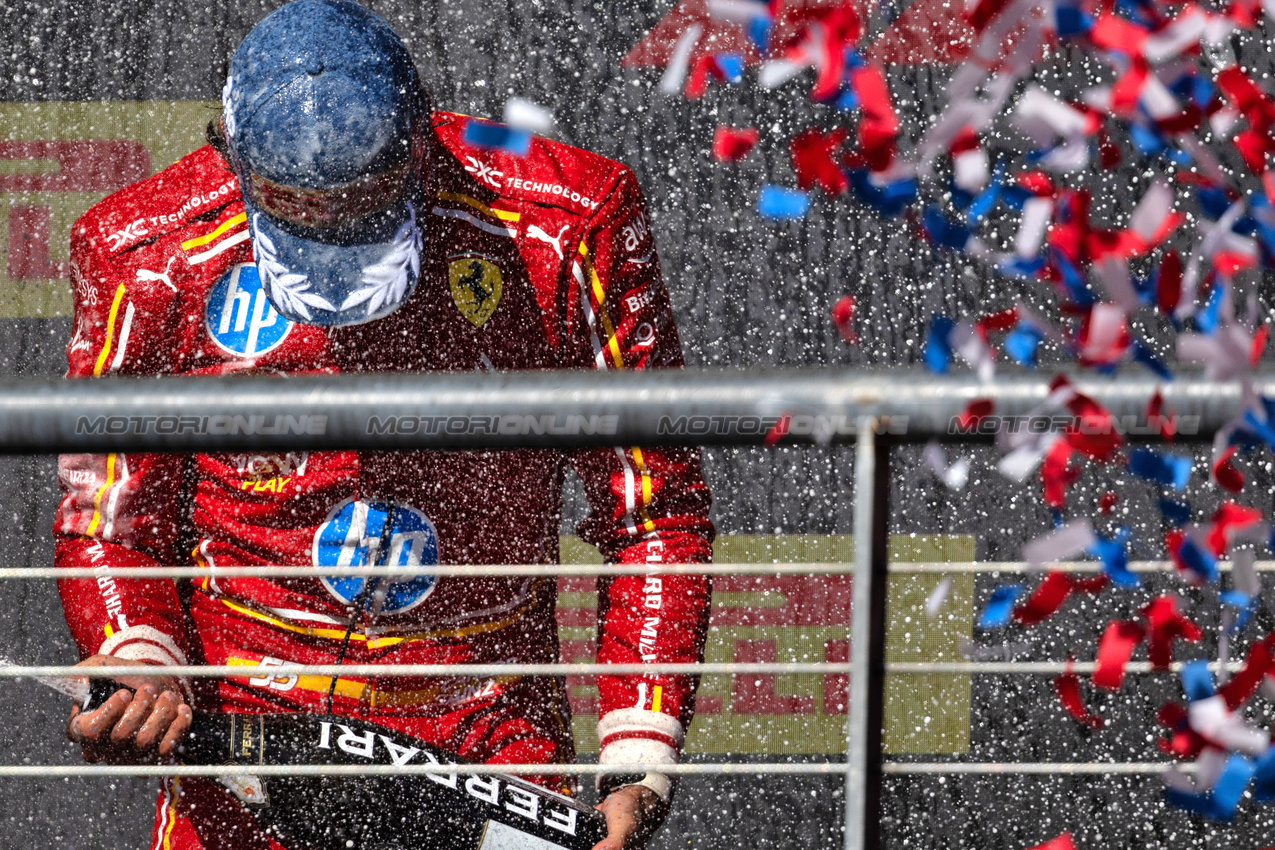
[[747, 294]]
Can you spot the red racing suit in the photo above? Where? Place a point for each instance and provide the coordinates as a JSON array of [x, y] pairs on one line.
[[540, 262]]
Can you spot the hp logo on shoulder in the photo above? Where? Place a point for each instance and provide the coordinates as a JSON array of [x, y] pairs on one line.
[[240, 318], [351, 536]]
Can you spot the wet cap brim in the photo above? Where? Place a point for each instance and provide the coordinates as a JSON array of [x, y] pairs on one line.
[[363, 276], [328, 208]]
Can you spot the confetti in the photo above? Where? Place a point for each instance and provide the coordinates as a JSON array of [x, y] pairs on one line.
[[523, 114], [488, 134], [1067, 686], [1059, 544], [732, 145], [1114, 650], [778, 203], [1171, 470], [996, 614], [935, 601], [1061, 842], [843, 318], [954, 476]]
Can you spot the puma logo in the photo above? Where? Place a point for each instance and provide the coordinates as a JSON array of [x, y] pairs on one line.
[[162, 277], [536, 233]]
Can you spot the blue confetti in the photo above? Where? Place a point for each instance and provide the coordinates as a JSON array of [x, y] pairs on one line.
[[1171, 470], [1000, 607], [1072, 22], [1213, 201], [1264, 777], [848, 100], [1207, 319], [731, 65], [776, 202], [938, 347], [1146, 140], [759, 32], [890, 199], [1197, 681], [1177, 513], [1024, 267], [946, 233], [1022, 343], [1230, 786], [986, 201], [1197, 560], [488, 134], [1222, 800], [1245, 606], [1115, 558], [1142, 355], [1077, 290]]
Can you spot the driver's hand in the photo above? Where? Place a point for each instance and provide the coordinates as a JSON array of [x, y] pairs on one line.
[[633, 813], [132, 728]]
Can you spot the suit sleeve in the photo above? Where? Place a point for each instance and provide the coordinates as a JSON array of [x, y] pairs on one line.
[[648, 505], [117, 510]]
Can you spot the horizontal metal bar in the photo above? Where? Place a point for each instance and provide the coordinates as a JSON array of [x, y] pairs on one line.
[[1029, 667], [707, 769], [428, 670], [442, 571], [812, 568], [1033, 768], [957, 567], [563, 409]]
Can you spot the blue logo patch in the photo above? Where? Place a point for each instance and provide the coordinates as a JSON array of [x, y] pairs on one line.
[[240, 318], [352, 534]]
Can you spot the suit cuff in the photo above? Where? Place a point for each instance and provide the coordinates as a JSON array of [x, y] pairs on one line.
[[147, 644]]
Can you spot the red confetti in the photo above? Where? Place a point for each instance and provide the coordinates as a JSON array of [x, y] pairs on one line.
[[1225, 474], [1107, 502], [1061, 842], [843, 318], [1045, 600], [814, 159], [974, 413], [1095, 434], [1108, 151], [1068, 688], [1166, 423], [731, 145], [1051, 593], [1114, 650], [1057, 475], [1245, 681], [1166, 624], [1168, 288], [780, 429], [1002, 321], [1228, 518], [1258, 346], [878, 125], [1183, 742]]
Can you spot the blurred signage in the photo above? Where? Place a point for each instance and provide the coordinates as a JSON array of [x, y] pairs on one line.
[[57, 160], [800, 618]]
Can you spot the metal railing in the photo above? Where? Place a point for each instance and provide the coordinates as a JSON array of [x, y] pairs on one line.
[[572, 409]]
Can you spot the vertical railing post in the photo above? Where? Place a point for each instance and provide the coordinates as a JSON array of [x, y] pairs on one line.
[[865, 713]]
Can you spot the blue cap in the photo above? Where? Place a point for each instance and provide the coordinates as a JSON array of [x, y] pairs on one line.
[[326, 120]]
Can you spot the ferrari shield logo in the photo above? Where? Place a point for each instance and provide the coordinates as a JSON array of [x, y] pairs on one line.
[[476, 287]]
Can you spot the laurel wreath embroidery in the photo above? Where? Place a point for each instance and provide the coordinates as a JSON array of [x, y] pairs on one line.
[[288, 289], [226, 108], [385, 282]]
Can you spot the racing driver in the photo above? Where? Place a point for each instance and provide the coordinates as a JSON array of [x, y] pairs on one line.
[[335, 223]]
